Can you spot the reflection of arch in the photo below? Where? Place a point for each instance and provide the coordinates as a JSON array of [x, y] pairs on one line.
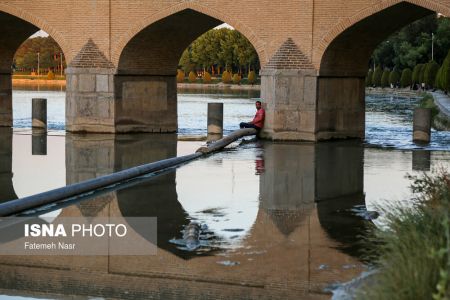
[[341, 223], [348, 39], [157, 197], [201, 9], [299, 179]]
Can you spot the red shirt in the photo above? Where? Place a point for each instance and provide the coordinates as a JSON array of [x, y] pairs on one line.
[[258, 120]]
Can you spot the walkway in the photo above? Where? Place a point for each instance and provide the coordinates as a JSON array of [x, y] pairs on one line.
[[443, 102]]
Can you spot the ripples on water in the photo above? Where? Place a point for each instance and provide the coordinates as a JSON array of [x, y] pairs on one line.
[[389, 124], [388, 118], [278, 220]]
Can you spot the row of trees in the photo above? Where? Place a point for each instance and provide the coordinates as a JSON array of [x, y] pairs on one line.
[[429, 75], [413, 44], [227, 77], [214, 51], [26, 58], [218, 50]]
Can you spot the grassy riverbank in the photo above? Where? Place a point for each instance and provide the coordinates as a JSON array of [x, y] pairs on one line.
[[413, 254]]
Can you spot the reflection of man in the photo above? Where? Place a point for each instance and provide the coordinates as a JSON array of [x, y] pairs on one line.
[[259, 165], [258, 120]]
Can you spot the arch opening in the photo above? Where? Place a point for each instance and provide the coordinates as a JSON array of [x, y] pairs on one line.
[[14, 33], [145, 85], [349, 52], [345, 62]]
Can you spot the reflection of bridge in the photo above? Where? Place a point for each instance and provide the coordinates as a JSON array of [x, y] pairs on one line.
[[123, 57], [293, 236]]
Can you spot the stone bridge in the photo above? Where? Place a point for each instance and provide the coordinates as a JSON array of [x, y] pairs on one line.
[[122, 57]]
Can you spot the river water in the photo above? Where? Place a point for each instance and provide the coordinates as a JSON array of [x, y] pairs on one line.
[[286, 219]]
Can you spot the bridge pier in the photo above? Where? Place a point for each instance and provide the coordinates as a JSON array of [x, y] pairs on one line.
[[290, 101], [100, 102], [302, 106], [340, 108], [6, 119], [90, 100], [145, 103]]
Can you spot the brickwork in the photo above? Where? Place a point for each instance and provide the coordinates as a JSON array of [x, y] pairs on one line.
[[312, 24], [90, 56], [289, 56]]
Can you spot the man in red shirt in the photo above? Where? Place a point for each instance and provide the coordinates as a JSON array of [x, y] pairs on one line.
[[258, 120]]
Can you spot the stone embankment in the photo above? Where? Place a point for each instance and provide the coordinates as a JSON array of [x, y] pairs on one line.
[[402, 92], [22, 81], [442, 120], [441, 100]]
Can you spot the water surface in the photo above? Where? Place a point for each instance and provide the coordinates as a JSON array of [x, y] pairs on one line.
[[286, 219]]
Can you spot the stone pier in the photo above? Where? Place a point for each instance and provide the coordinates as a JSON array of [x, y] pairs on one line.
[[145, 103], [340, 108], [6, 100]]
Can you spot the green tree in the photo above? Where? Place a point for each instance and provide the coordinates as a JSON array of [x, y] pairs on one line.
[[416, 74], [220, 49], [406, 79], [431, 70], [369, 78], [49, 55], [437, 81], [385, 78], [445, 74], [377, 76], [411, 45], [394, 77]]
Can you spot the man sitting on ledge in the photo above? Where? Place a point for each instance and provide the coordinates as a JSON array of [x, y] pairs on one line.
[[258, 121]]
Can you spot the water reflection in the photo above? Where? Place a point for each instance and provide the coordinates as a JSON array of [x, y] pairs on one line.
[[421, 160], [265, 192], [287, 218], [39, 141]]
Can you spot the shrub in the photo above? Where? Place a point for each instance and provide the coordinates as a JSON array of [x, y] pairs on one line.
[[206, 77], [385, 78], [180, 76], [406, 78], [430, 72], [411, 249], [416, 74], [192, 76], [437, 80], [394, 78], [236, 78], [376, 81], [251, 77], [226, 77], [50, 75], [369, 78], [445, 74]]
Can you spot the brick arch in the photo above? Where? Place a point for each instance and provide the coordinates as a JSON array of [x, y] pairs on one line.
[[38, 22], [343, 26], [257, 43]]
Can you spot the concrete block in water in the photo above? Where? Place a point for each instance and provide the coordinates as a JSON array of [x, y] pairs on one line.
[[215, 121], [422, 125], [39, 112]]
